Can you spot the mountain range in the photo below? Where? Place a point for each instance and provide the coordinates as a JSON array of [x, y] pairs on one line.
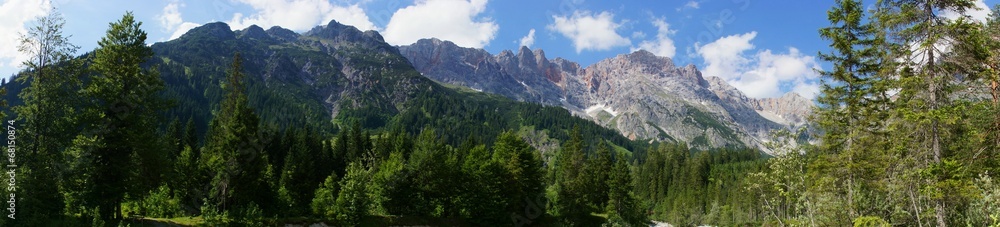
[[641, 95], [335, 74]]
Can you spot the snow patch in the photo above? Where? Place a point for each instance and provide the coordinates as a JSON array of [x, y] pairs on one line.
[[593, 110], [773, 117]]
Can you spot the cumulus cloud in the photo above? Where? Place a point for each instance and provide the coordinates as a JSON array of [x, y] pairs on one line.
[[457, 21], [171, 15], [724, 57], [663, 45], [529, 39], [979, 13], [692, 4], [762, 74], [590, 31], [638, 35], [300, 15], [181, 29], [15, 15], [172, 21]]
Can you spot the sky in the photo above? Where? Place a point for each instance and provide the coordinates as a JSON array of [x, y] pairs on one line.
[[763, 48]]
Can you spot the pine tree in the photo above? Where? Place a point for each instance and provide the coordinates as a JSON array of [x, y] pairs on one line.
[[570, 202], [120, 114], [976, 53], [853, 103], [233, 151], [926, 89], [190, 137], [485, 194], [429, 174], [623, 207], [597, 171], [523, 167]]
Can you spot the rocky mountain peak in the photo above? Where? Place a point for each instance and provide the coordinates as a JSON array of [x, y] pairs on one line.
[[526, 58], [791, 108], [282, 34], [340, 32], [217, 30], [254, 32], [642, 95], [540, 56]]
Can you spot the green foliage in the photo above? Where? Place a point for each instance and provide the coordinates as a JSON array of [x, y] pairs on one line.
[[782, 185], [325, 198], [985, 210], [160, 203], [870, 221], [598, 170], [46, 117], [233, 151], [684, 190], [121, 129], [623, 207], [352, 202], [570, 182]]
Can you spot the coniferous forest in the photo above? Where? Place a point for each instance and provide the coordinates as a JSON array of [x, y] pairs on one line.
[[905, 132]]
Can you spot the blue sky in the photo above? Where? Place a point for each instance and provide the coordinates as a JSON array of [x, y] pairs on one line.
[[764, 48]]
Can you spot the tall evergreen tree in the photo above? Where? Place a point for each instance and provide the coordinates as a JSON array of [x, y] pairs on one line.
[[977, 53], [233, 151], [623, 207], [598, 170], [523, 167], [926, 90], [570, 202], [120, 116], [853, 102]]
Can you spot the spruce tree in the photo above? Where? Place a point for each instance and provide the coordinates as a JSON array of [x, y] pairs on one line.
[[623, 207], [924, 100], [570, 202], [852, 103], [523, 168], [233, 151], [120, 118]]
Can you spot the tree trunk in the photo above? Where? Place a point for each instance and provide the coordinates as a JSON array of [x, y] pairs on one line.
[[939, 211]]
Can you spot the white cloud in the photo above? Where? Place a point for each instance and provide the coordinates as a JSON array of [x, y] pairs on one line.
[[638, 35], [724, 57], [15, 15], [590, 31], [663, 45], [692, 4], [762, 74], [457, 21], [171, 16], [529, 39], [172, 21], [181, 29], [979, 13], [300, 15]]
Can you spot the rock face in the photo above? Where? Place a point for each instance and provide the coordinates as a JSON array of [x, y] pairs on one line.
[[641, 95], [787, 109]]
